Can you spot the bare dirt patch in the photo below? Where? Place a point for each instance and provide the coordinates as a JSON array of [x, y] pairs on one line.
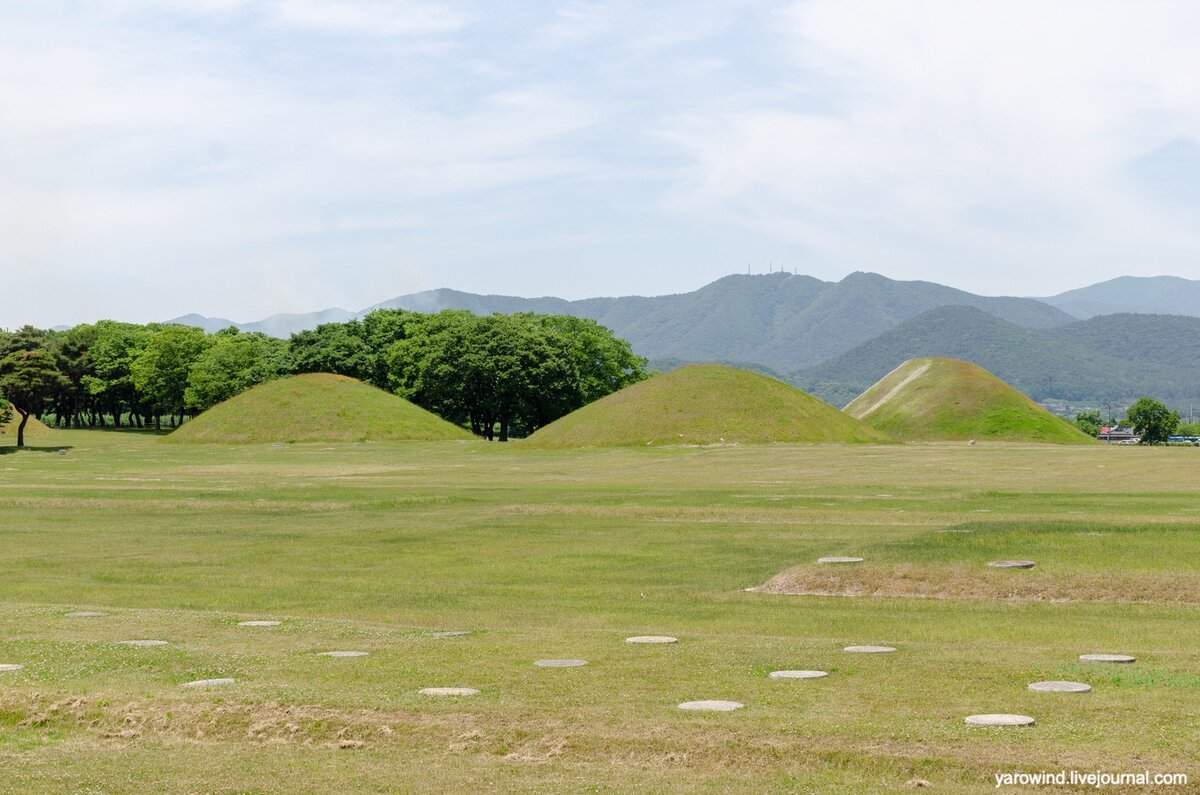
[[934, 581]]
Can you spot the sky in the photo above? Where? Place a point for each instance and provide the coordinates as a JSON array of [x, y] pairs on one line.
[[239, 158]]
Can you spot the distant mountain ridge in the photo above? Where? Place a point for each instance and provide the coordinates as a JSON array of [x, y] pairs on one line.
[[1156, 295], [778, 320], [837, 338]]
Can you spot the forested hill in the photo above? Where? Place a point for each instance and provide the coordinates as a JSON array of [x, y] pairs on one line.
[[1108, 359], [778, 320]]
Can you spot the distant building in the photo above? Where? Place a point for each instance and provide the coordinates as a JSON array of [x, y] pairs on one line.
[[1116, 433]]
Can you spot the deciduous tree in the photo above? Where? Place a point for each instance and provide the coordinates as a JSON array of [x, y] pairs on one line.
[[1152, 421]]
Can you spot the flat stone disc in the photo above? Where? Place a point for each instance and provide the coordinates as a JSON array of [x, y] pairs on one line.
[[839, 559], [999, 720], [1060, 687], [870, 649], [209, 683], [258, 623], [448, 691], [457, 633], [1012, 564], [342, 654], [711, 706], [798, 674], [652, 639], [560, 663], [1107, 658], [86, 614], [142, 642], [11, 667]]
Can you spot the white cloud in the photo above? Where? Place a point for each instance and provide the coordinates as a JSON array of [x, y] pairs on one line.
[[950, 132], [606, 146], [369, 17]]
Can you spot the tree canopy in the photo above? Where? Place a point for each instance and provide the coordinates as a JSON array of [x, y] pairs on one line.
[[1152, 421], [499, 375]]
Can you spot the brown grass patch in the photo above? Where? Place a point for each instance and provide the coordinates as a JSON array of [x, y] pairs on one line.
[[520, 737], [962, 582]]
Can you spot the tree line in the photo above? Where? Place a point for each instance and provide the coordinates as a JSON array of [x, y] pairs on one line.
[[499, 375], [1152, 421]]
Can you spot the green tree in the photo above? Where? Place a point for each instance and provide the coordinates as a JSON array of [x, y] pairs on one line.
[[331, 348], [1152, 421], [28, 378], [160, 372], [112, 352], [1090, 422], [232, 363]]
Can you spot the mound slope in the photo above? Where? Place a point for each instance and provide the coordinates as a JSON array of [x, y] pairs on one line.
[[315, 407], [949, 399], [705, 404], [34, 427]]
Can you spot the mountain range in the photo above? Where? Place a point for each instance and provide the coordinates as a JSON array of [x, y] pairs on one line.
[[1103, 344]]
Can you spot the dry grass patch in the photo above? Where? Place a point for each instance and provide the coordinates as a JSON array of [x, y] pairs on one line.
[[938, 581]]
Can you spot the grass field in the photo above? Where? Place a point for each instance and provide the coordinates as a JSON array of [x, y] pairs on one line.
[[564, 554]]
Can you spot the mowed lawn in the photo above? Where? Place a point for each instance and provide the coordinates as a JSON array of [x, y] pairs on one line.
[[544, 554]]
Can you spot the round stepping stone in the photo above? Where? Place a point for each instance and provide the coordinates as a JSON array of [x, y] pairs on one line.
[[457, 633], [798, 674], [448, 691], [839, 559], [999, 720], [86, 614], [1107, 658], [1012, 564], [711, 706], [209, 683], [1060, 687], [258, 623], [11, 667], [142, 642], [560, 663], [652, 639], [869, 649], [342, 654]]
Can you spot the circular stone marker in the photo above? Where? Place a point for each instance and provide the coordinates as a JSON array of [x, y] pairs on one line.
[[142, 642], [869, 649], [448, 691], [559, 663], [1107, 658], [258, 623], [839, 559], [798, 674], [1060, 687], [209, 683], [342, 654], [999, 720], [86, 614], [456, 633], [11, 667], [1012, 564], [711, 706], [652, 639]]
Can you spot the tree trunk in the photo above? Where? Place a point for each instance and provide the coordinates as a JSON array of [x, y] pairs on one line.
[[21, 428], [504, 429]]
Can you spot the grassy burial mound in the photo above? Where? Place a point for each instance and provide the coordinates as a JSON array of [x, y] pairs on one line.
[[705, 404], [949, 399], [35, 427], [316, 407]]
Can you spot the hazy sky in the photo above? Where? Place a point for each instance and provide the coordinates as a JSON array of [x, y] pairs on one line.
[[244, 157]]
